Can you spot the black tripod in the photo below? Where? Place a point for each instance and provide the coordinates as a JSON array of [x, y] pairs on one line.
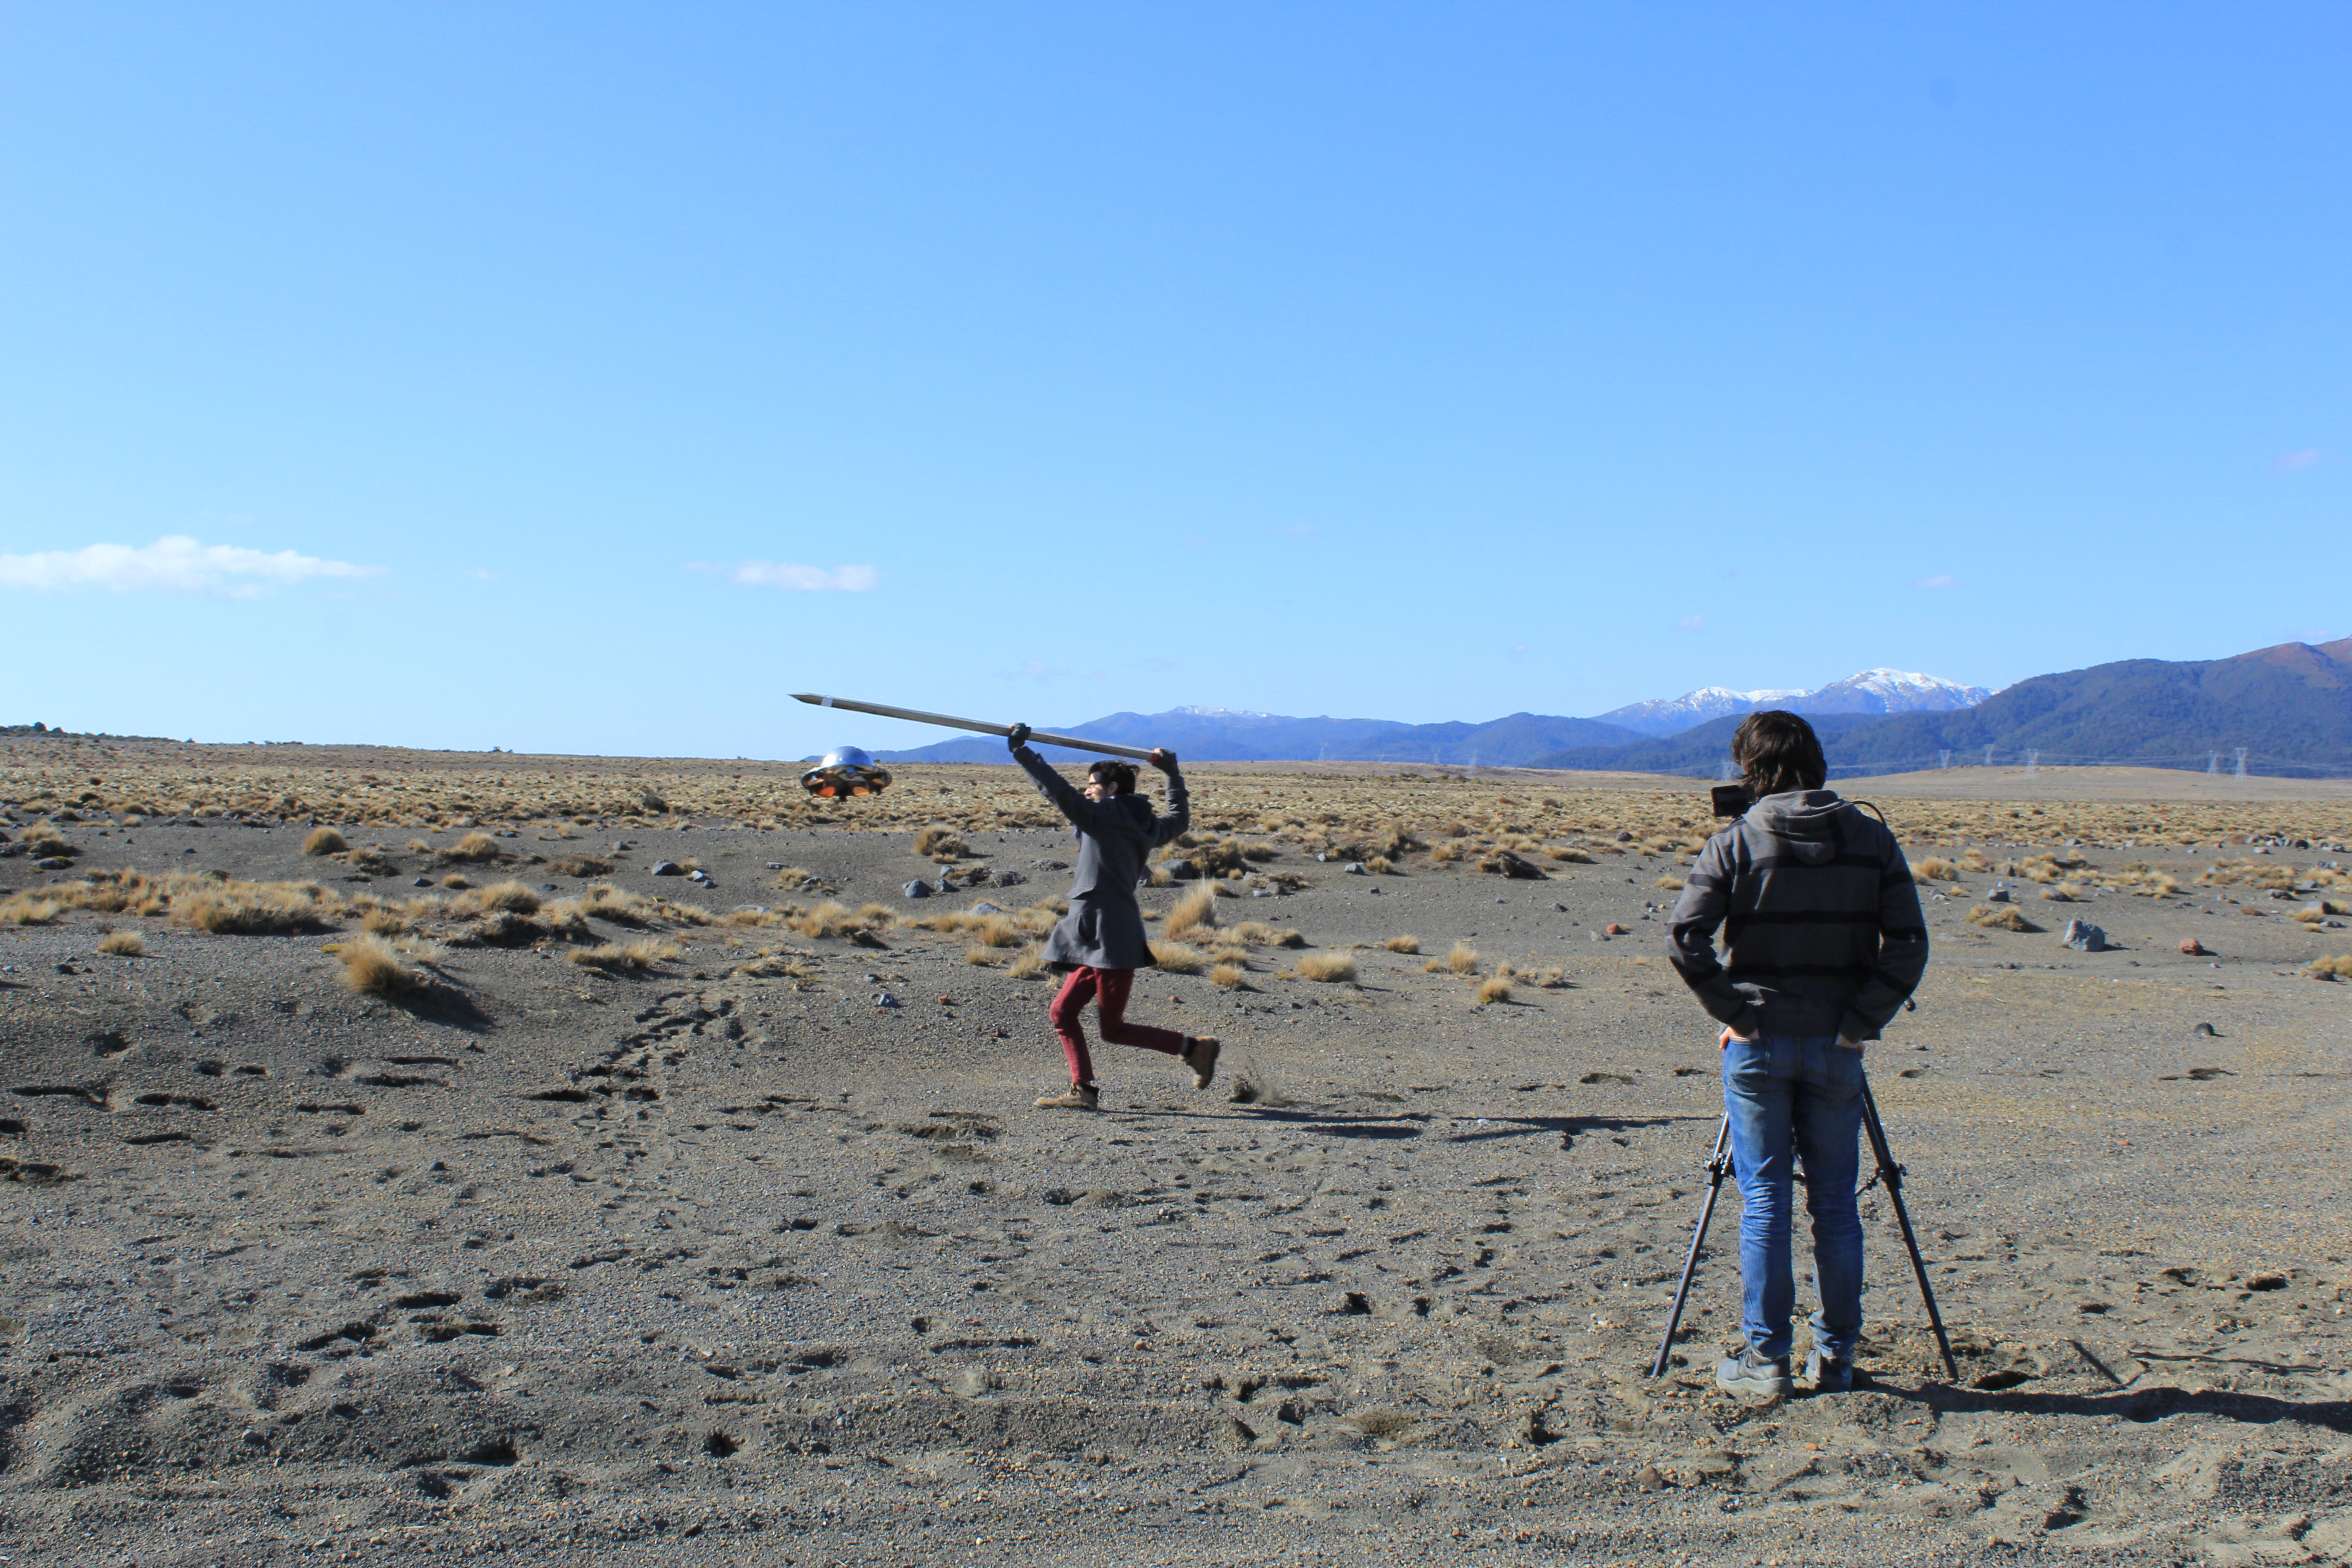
[[1719, 1165]]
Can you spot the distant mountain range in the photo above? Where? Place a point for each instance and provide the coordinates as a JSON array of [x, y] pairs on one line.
[[1871, 692], [2290, 707]]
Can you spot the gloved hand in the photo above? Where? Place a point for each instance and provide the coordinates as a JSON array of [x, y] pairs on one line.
[[1163, 759], [1017, 737]]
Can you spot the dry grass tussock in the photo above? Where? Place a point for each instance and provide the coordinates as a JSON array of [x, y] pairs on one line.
[[1461, 960], [324, 841], [2002, 918], [1194, 911], [1934, 869], [255, 909], [122, 944], [1403, 944], [31, 909], [1257, 933], [510, 896], [1329, 967], [1672, 884], [1232, 976], [1494, 989], [579, 866], [942, 844], [773, 963], [630, 958], [1177, 958], [373, 967], [2339, 967], [1030, 964], [474, 847]]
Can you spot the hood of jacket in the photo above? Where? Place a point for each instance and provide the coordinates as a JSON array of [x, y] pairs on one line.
[[1805, 820]]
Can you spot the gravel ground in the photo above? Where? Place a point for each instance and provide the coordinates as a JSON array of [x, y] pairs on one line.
[[700, 1265]]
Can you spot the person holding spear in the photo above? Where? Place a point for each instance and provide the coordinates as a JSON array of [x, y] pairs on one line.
[[1100, 944]]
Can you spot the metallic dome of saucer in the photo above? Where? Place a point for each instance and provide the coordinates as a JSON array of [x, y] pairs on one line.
[[845, 771]]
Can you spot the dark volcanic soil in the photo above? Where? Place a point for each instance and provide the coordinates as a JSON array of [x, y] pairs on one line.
[[720, 1268]]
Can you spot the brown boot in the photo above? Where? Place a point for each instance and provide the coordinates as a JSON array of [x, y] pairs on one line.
[[1082, 1097], [1201, 1056]]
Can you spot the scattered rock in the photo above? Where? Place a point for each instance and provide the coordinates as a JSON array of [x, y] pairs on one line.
[[420, 882], [1006, 877], [1615, 930], [668, 868], [884, 999], [53, 863], [1353, 867], [984, 907], [1179, 870], [2084, 937], [1624, 836], [2206, 1031], [917, 889], [1997, 894], [2195, 949], [1520, 869]]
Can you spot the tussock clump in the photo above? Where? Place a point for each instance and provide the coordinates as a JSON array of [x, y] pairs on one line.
[[1257, 933], [383, 921], [579, 866], [455, 881], [1329, 967], [1380, 866], [942, 844], [2065, 893], [324, 841], [625, 958], [1030, 964], [1403, 944], [1934, 868], [373, 967], [122, 944], [419, 846], [1226, 857], [1232, 976], [255, 909], [987, 957], [2003, 919], [771, 963], [618, 905], [1553, 979], [1194, 911], [1671, 883], [1568, 853], [31, 909], [1446, 852], [474, 847], [1463, 959], [2338, 967], [1494, 989], [511, 897], [1176, 958]]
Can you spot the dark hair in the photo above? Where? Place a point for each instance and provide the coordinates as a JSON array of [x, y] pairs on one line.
[[1779, 751], [1120, 776]]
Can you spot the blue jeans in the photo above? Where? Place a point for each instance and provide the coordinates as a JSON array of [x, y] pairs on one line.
[[1792, 1098]]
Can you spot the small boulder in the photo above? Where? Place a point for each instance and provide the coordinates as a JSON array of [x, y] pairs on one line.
[[1006, 877], [53, 863], [1180, 870], [1616, 929], [1353, 868], [2192, 948], [1997, 894], [2084, 937], [1521, 869], [668, 868], [984, 907], [917, 889]]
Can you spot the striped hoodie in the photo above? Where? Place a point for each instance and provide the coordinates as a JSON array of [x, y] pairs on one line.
[[1822, 929]]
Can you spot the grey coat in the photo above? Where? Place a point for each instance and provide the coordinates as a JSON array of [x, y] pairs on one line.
[[1104, 929]]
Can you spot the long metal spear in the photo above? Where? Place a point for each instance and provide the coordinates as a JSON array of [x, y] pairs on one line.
[[950, 721]]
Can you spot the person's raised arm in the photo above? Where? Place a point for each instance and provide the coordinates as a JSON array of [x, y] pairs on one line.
[[1180, 799], [1690, 941], [1082, 812]]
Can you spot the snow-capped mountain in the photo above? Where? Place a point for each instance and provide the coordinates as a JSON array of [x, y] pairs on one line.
[[1871, 692]]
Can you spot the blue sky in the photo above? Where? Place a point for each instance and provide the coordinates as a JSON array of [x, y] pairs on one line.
[[587, 377]]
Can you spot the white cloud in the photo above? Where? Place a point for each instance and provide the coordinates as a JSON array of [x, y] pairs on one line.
[[175, 565], [800, 579], [1940, 580]]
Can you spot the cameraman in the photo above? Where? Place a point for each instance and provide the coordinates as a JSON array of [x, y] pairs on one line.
[[1824, 940]]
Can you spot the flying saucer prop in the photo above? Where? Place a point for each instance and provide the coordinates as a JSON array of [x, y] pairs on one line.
[[844, 772]]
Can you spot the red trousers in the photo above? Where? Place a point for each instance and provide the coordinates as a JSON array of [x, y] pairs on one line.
[[1107, 988]]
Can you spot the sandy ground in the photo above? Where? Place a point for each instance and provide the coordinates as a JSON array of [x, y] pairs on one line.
[[695, 1264]]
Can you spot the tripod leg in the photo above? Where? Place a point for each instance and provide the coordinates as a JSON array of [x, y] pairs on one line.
[[1891, 1175], [1717, 1164]]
